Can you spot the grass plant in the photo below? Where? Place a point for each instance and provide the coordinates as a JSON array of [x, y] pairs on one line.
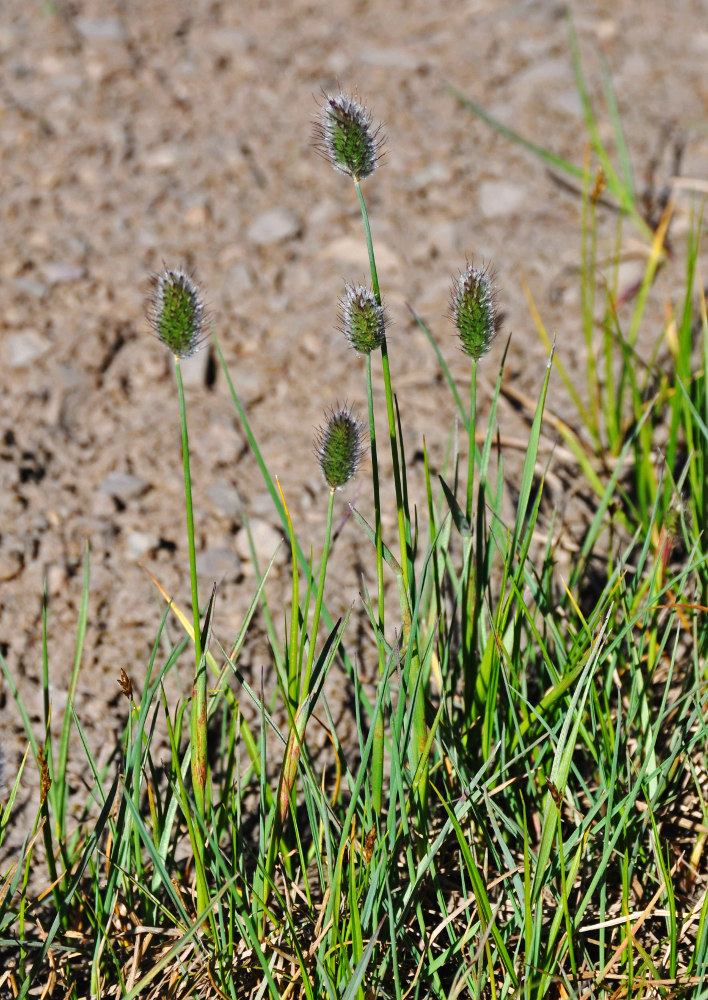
[[522, 811]]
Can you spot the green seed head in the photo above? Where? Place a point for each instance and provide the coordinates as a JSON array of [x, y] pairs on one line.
[[346, 136], [362, 319], [473, 306], [338, 448], [177, 313]]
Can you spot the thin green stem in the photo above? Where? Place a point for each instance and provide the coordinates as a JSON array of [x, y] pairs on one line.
[[198, 722], [190, 515], [369, 242], [318, 602], [471, 430], [419, 733], [397, 471], [293, 639], [470, 597], [377, 749]]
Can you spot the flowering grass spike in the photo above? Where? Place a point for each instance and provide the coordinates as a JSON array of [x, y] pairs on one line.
[[338, 448], [473, 307], [362, 319], [177, 313], [347, 136]]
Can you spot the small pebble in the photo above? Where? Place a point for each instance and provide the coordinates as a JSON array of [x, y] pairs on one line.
[[500, 198], [31, 286], [630, 275], [139, 543], [218, 564], [436, 173], [274, 226], [225, 499], [265, 541], [101, 29], [123, 486], [162, 158], [26, 346], [57, 274], [102, 506], [351, 251], [391, 58], [239, 279]]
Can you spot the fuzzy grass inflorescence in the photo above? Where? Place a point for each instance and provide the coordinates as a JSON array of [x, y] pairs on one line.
[[362, 319], [346, 135], [177, 312], [338, 446], [498, 822], [473, 307]]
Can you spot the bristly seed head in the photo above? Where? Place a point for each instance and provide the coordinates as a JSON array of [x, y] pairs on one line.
[[346, 136], [473, 306], [177, 312], [362, 319], [338, 446]]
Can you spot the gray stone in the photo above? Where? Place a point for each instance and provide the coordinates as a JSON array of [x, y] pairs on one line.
[[239, 279], [57, 273], [56, 578], [435, 173], [630, 275], [391, 58], [225, 499], [102, 506], [265, 542], [568, 101], [273, 226], [352, 252], [26, 346], [123, 486], [139, 543], [101, 29], [218, 564], [162, 158], [31, 285], [500, 198]]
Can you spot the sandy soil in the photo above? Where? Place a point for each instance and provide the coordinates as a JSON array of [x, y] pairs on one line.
[[136, 133]]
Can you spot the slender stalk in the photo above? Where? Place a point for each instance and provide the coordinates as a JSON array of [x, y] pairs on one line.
[[377, 749], [402, 540], [190, 514], [293, 639], [198, 719], [471, 430], [318, 602], [419, 735], [470, 682]]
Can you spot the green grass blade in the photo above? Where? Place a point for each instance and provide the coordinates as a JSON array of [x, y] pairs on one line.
[[551, 159]]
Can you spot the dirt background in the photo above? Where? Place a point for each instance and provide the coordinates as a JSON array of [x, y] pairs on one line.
[[136, 133]]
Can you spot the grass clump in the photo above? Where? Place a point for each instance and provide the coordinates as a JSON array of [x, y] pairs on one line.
[[505, 821]]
